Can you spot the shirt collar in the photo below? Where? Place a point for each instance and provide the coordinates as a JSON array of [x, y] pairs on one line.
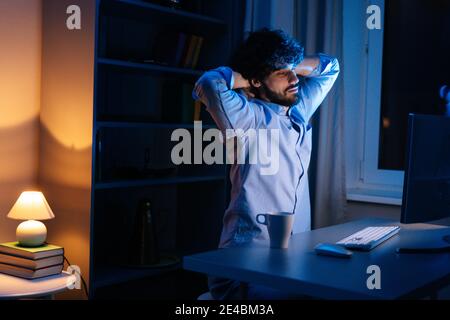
[[273, 106]]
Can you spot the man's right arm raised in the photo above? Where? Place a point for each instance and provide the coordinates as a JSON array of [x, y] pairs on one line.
[[229, 109]]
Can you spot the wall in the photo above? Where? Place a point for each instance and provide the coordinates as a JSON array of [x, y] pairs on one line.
[[46, 99], [20, 65], [65, 152], [360, 210]]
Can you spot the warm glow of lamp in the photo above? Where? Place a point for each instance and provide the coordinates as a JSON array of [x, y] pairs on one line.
[[31, 206]]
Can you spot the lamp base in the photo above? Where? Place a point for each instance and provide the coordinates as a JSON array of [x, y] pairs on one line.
[[31, 233]]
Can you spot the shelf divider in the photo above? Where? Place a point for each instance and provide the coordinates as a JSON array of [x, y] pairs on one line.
[[115, 275], [149, 67], [137, 124], [152, 182]]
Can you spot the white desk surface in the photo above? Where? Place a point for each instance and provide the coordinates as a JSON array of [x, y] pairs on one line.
[[14, 287]]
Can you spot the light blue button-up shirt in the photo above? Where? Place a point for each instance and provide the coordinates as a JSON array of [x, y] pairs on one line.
[[251, 192]]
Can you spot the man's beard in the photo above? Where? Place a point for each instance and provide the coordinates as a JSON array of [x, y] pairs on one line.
[[284, 100]]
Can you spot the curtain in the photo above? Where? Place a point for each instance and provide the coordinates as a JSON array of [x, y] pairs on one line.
[[318, 25], [273, 14]]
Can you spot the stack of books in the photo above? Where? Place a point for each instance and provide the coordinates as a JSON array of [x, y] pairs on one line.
[[31, 263]]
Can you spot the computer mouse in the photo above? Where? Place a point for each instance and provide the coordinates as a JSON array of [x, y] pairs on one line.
[[331, 249]]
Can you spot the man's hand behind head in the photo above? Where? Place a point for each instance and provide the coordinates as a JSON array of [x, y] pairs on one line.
[[239, 81]]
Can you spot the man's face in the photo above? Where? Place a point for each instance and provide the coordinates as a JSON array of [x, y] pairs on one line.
[[280, 87]]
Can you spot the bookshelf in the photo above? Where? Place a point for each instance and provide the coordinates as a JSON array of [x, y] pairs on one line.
[[138, 102], [150, 67]]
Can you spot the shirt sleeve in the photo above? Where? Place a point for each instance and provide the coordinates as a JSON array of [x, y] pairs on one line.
[[316, 86], [229, 109]]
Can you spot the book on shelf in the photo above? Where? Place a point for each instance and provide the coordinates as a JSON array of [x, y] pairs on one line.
[[195, 6], [43, 251], [30, 273], [197, 110], [31, 263], [187, 104], [189, 51], [192, 52], [168, 48], [181, 42], [176, 49], [196, 55]]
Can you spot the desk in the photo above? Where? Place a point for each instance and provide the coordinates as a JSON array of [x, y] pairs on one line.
[[14, 288], [300, 271]]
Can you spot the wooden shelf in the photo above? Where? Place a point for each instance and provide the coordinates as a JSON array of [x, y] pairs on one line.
[[152, 182], [150, 125], [149, 67], [431, 179], [137, 7], [115, 275]]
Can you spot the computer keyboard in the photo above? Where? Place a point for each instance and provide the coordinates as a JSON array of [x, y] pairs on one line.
[[369, 238]]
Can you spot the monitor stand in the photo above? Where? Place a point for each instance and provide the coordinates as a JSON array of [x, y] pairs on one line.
[[438, 248]]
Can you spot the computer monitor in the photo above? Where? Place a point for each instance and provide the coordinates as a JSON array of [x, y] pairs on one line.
[[426, 189]]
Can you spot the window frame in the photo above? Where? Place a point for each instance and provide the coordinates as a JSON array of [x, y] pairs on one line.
[[365, 182]]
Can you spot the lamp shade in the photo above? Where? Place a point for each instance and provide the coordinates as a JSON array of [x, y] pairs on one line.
[[31, 205]]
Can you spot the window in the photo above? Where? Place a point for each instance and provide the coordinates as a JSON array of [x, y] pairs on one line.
[[402, 67], [414, 70]]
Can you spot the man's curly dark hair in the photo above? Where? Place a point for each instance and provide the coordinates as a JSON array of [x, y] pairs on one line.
[[265, 51]]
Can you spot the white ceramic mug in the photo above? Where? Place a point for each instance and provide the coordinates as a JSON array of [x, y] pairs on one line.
[[279, 226]]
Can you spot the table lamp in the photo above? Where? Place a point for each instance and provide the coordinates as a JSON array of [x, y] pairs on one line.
[[31, 206]]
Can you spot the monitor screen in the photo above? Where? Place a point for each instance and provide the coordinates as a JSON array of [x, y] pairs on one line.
[[426, 189]]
